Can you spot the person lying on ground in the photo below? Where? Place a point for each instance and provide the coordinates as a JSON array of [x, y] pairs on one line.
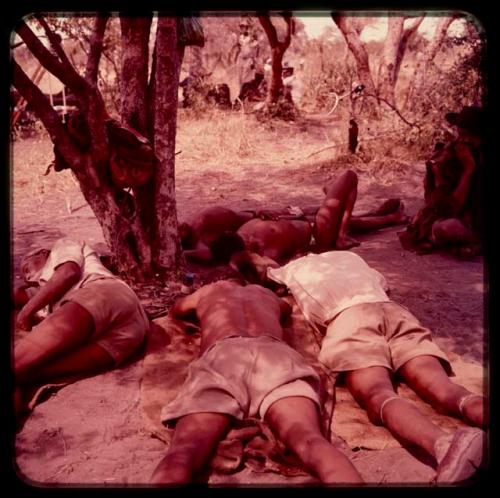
[[452, 217], [281, 239], [370, 341], [205, 226], [94, 320], [245, 369]]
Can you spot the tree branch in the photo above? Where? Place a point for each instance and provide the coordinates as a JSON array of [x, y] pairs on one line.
[[290, 25], [48, 115], [270, 30], [55, 41], [408, 32], [96, 45], [49, 61]]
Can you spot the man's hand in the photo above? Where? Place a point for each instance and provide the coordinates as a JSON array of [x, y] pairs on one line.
[[25, 319]]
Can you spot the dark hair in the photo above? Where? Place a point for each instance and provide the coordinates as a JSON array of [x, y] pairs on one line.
[[225, 245], [186, 234]]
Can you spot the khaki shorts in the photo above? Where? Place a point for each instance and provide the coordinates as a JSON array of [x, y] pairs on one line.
[[376, 334], [120, 322], [242, 377]]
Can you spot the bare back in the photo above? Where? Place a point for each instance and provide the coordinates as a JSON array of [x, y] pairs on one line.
[[276, 239], [212, 222], [226, 308]]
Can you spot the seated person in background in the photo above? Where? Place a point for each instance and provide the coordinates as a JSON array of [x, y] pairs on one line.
[[452, 217], [370, 339], [95, 320], [245, 369], [282, 238]]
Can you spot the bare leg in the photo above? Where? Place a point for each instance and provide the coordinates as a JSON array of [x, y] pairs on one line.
[[372, 388], [201, 254], [64, 330], [87, 360], [370, 223], [387, 207], [295, 421], [193, 444], [427, 377], [332, 218]]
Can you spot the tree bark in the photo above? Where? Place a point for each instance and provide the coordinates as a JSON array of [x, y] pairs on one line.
[[95, 48], [358, 49], [418, 82], [131, 236], [392, 46], [134, 72], [167, 248], [278, 49]]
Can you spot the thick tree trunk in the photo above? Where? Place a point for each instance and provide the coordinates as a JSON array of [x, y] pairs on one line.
[[167, 249], [358, 49], [134, 78], [392, 47], [140, 229], [278, 49]]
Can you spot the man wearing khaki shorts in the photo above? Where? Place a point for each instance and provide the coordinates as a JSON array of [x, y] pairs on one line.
[[245, 370], [368, 339], [93, 321]]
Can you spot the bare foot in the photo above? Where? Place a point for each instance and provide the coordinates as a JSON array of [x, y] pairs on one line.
[[400, 217], [345, 243]]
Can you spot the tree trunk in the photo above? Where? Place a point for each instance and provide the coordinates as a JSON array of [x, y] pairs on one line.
[[418, 82], [134, 77], [358, 49], [278, 49], [392, 46], [167, 249], [140, 229]]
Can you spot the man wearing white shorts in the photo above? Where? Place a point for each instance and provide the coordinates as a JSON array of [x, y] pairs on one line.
[[245, 369], [368, 340]]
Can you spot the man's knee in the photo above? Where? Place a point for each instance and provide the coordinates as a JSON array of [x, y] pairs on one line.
[[305, 442], [451, 230]]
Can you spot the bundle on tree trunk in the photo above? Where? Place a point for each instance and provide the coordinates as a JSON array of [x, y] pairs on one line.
[[125, 169]]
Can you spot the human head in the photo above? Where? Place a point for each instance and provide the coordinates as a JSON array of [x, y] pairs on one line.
[[225, 245], [33, 262], [186, 235], [469, 121]]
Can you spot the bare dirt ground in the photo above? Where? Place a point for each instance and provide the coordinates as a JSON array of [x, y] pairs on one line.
[[91, 432]]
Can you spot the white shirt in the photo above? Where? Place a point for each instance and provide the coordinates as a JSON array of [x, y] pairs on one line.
[[66, 250], [325, 284]]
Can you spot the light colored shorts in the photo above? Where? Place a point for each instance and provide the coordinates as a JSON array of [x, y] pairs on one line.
[[120, 322], [376, 334], [243, 377]]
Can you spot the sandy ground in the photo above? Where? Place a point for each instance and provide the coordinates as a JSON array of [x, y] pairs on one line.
[[92, 432]]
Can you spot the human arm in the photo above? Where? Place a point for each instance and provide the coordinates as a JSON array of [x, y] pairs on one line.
[[19, 295], [185, 307], [65, 276], [462, 190]]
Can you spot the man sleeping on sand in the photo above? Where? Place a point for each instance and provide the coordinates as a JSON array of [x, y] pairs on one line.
[[245, 369], [215, 233], [369, 340], [95, 320]]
